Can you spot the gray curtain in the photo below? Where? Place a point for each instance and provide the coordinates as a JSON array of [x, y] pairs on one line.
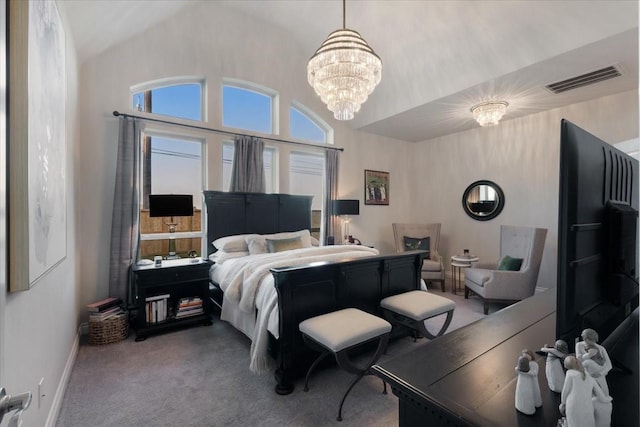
[[331, 222], [247, 173], [126, 210]]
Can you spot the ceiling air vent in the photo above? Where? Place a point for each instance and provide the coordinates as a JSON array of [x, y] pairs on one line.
[[585, 79]]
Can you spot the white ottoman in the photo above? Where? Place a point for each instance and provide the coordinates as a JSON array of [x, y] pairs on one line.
[[412, 308], [340, 331]]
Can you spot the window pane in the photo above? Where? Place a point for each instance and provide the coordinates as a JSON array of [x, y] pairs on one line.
[[268, 156], [302, 127], [306, 177], [176, 167], [183, 101], [246, 109]]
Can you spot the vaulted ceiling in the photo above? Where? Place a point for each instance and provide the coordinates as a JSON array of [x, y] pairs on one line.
[[439, 57]]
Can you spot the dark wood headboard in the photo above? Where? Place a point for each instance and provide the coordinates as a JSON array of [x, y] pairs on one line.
[[243, 213]]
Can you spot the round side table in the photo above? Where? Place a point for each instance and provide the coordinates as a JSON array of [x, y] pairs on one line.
[[458, 262]]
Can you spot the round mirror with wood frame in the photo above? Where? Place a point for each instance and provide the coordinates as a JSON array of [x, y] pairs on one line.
[[483, 200]]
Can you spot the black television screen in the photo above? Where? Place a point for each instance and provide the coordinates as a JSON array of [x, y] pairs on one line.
[[597, 235], [165, 205]]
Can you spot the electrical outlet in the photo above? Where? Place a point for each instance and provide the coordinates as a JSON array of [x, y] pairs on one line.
[[40, 391]]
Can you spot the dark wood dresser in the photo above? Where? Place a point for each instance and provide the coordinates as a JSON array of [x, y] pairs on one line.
[[467, 377]]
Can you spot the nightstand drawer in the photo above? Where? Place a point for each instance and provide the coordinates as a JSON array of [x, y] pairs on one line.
[[165, 276]]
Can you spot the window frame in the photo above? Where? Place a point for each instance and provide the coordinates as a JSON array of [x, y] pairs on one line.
[[165, 131]]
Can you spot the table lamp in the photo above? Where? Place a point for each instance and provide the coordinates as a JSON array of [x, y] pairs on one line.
[[344, 208], [171, 205]]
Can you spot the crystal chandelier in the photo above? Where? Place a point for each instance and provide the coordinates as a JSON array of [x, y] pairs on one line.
[[489, 113], [344, 71]]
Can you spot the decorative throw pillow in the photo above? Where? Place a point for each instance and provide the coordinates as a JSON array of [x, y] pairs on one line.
[[280, 245], [510, 264], [236, 243], [257, 243], [415, 243]]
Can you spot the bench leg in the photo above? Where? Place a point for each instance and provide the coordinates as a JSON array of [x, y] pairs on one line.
[[342, 357], [312, 367], [442, 330]]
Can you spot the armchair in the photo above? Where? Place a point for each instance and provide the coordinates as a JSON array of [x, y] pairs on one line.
[[432, 268], [509, 286]]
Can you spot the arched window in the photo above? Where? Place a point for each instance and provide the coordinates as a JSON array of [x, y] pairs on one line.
[[307, 126], [248, 106], [182, 98]]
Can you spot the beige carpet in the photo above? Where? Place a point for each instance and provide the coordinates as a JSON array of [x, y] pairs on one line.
[[199, 376]]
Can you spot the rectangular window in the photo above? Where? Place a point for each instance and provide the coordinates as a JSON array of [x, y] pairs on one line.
[[171, 165], [306, 177]]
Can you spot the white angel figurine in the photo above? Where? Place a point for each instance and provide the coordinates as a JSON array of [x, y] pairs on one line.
[[553, 367], [533, 366], [524, 398], [594, 358], [577, 393]]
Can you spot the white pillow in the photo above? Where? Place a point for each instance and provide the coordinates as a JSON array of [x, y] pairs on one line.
[[221, 256], [314, 241], [236, 243], [257, 244]]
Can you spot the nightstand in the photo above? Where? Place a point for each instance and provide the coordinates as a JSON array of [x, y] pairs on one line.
[[171, 295]]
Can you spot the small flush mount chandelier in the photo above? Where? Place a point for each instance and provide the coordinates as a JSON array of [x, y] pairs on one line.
[[489, 113], [344, 71]]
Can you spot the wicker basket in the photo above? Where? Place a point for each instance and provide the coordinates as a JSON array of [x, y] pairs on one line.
[[108, 331]]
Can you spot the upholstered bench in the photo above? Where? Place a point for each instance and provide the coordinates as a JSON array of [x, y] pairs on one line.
[[412, 308], [340, 331]]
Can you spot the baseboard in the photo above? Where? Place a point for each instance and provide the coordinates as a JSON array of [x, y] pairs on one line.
[[64, 381]]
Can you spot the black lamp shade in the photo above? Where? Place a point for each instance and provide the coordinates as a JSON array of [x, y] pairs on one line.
[[170, 205], [346, 207]]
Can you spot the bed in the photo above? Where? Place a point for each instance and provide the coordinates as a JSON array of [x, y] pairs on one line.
[[266, 294]]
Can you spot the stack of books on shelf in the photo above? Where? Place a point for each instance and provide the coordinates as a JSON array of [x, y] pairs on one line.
[[157, 308], [190, 306], [105, 309]]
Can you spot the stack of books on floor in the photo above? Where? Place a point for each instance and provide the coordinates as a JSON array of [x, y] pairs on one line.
[[157, 308], [190, 306], [105, 309]]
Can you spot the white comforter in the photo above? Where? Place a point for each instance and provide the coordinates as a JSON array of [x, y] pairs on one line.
[[248, 283]]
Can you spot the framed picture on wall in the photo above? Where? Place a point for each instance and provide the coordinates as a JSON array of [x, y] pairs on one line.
[[37, 143], [376, 187]]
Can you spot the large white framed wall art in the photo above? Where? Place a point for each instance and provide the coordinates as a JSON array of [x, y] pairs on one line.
[[37, 219]]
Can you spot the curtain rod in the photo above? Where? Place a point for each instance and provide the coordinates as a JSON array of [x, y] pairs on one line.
[[226, 132]]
